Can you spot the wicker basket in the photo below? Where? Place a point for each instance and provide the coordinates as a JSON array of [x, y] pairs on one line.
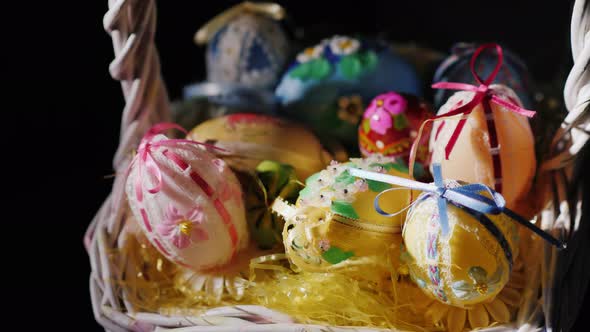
[[132, 23]]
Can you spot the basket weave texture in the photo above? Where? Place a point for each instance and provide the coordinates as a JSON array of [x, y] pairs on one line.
[[132, 24]]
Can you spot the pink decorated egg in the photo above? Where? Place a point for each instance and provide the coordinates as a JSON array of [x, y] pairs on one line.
[[390, 125], [187, 202]]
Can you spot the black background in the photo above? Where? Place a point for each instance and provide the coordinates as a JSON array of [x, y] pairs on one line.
[[69, 108]]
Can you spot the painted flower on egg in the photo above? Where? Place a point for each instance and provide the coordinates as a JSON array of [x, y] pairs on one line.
[[338, 55], [340, 45], [390, 126], [344, 192], [497, 311], [481, 283], [326, 198], [310, 53], [182, 229], [311, 91], [386, 109]]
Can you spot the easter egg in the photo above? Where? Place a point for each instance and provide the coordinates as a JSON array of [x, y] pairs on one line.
[[334, 227], [251, 138], [509, 169], [187, 202], [456, 68], [391, 124], [247, 50], [250, 49], [468, 265], [329, 84]]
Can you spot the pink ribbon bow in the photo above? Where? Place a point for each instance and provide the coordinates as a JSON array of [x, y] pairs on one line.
[[145, 159], [482, 93]]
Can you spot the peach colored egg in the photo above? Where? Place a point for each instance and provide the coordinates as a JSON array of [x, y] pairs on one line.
[[471, 158]]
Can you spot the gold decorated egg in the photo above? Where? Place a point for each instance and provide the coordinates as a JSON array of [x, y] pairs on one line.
[[252, 138], [334, 226]]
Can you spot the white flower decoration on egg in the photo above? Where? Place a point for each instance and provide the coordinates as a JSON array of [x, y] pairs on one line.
[[340, 45], [310, 53], [326, 198]]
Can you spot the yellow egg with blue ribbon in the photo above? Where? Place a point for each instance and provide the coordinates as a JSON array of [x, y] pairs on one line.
[[469, 264], [460, 241], [333, 227]]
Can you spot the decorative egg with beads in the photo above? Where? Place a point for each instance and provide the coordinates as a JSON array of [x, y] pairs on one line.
[[391, 124], [329, 84], [334, 227]]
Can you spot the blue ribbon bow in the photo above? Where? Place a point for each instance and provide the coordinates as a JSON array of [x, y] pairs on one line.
[[466, 197]]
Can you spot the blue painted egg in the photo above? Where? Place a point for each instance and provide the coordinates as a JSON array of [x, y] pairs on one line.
[[456, 68], [250, 50], [330, 84]]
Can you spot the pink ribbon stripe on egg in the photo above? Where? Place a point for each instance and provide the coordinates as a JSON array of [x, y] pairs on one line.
[[145, 161]]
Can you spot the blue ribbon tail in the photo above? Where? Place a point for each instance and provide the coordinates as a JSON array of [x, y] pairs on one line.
[[544, 235], [443, 218]]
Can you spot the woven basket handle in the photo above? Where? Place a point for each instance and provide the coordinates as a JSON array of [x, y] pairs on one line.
[[132, 25], [577, 86]]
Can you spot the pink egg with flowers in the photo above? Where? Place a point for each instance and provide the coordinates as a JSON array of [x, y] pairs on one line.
[[390, 125], [187, 201]]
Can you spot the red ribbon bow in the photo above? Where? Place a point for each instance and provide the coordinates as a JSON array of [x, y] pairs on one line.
[[145, 159], [482, 93]]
